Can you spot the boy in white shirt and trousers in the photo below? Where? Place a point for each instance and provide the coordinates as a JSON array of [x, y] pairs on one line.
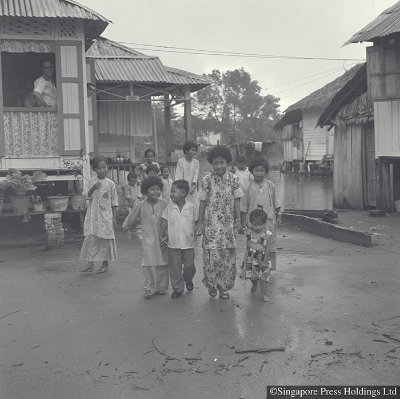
[[177, 231]]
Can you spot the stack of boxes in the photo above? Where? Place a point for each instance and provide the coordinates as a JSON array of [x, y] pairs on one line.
[[54, 230]]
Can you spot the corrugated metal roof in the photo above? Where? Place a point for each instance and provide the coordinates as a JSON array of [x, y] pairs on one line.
[[387, 23], [48, 9], [105, 47], [147, 69], [183, 77], [117, 63]]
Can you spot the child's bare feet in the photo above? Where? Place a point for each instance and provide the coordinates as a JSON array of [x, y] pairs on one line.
[[254, 286], [103, 268], [87, 268], [160, 292], [176, 294], [266, 298]]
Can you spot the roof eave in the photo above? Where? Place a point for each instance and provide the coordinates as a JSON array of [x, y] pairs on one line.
[[291, 117]]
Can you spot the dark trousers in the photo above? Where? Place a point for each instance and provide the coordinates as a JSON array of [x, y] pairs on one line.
[[176, 259]]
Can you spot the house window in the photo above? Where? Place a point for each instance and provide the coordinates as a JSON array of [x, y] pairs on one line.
[[19, 73]]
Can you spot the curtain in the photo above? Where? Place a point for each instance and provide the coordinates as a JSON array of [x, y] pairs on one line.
[[125, 118]]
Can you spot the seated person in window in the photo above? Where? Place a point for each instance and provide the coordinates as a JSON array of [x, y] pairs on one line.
[[29, 99], [44, 88]]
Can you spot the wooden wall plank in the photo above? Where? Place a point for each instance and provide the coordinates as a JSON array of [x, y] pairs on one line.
[[356, 186], [317, 136], [337, 165], [2, 138], [70, 92], [72, 134], [69, 61]]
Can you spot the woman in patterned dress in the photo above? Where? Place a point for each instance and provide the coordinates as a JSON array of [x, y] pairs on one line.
[[99, 243], [219, 216]]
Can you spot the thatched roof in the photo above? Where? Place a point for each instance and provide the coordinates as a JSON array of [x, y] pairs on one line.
[[358, 112], [319, 99], [347, 94]]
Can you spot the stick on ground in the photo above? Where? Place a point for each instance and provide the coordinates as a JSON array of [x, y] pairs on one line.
[[9, 314], [260, 350], [161, 353]]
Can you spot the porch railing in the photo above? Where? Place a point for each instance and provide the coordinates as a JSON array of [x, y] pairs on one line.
[[31, 132]]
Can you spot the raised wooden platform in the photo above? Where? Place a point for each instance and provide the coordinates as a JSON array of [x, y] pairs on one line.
[[328, 230]]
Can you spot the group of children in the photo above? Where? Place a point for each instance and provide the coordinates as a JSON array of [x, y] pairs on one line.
[[173, 213]]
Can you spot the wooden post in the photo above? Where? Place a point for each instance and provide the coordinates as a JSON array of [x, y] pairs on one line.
[[188, 115], [153, 108], [391, 204], [167, 122]]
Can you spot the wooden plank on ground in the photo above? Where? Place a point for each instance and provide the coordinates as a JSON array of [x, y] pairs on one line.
[[320, 228]]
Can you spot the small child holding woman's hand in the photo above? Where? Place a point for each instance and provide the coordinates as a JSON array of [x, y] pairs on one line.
[[154, 259], [257, 262]]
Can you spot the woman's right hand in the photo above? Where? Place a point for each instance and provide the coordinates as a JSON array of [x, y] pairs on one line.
[[199, 228]]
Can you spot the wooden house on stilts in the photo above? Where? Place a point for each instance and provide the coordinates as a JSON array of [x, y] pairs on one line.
[[44, 137], [351, 116], [383, 78], [303, 140]]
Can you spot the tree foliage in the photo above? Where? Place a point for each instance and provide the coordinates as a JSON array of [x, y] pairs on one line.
[[234, 106]]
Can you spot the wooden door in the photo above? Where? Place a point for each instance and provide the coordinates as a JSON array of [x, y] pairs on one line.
[[2, 138], [369, 167]]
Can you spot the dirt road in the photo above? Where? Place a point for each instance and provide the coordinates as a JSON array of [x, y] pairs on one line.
[[64, 335]]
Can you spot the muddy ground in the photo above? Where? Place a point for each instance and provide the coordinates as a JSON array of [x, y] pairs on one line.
[[335, 310]]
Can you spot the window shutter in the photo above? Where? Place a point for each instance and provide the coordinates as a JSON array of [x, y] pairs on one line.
[[70, 97], [2, 138]]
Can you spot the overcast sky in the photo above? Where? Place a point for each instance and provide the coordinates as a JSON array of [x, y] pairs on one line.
[[310, 28]]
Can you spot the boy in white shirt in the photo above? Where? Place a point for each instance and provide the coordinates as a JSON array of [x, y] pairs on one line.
[[177, 231]]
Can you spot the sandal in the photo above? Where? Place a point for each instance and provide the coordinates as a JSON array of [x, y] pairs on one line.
[[189, 286], [176, 294], [87, 268], [224, 294], [147, 294], [103, 269], [212, 292]]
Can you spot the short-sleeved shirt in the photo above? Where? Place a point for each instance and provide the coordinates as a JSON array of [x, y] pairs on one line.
[[47, 89], [181, 225], [186, 170]]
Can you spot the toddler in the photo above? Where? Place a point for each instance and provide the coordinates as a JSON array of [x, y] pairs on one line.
[[261, 192], [257, 264], [150, 157], [132, 193], [167, 182]]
